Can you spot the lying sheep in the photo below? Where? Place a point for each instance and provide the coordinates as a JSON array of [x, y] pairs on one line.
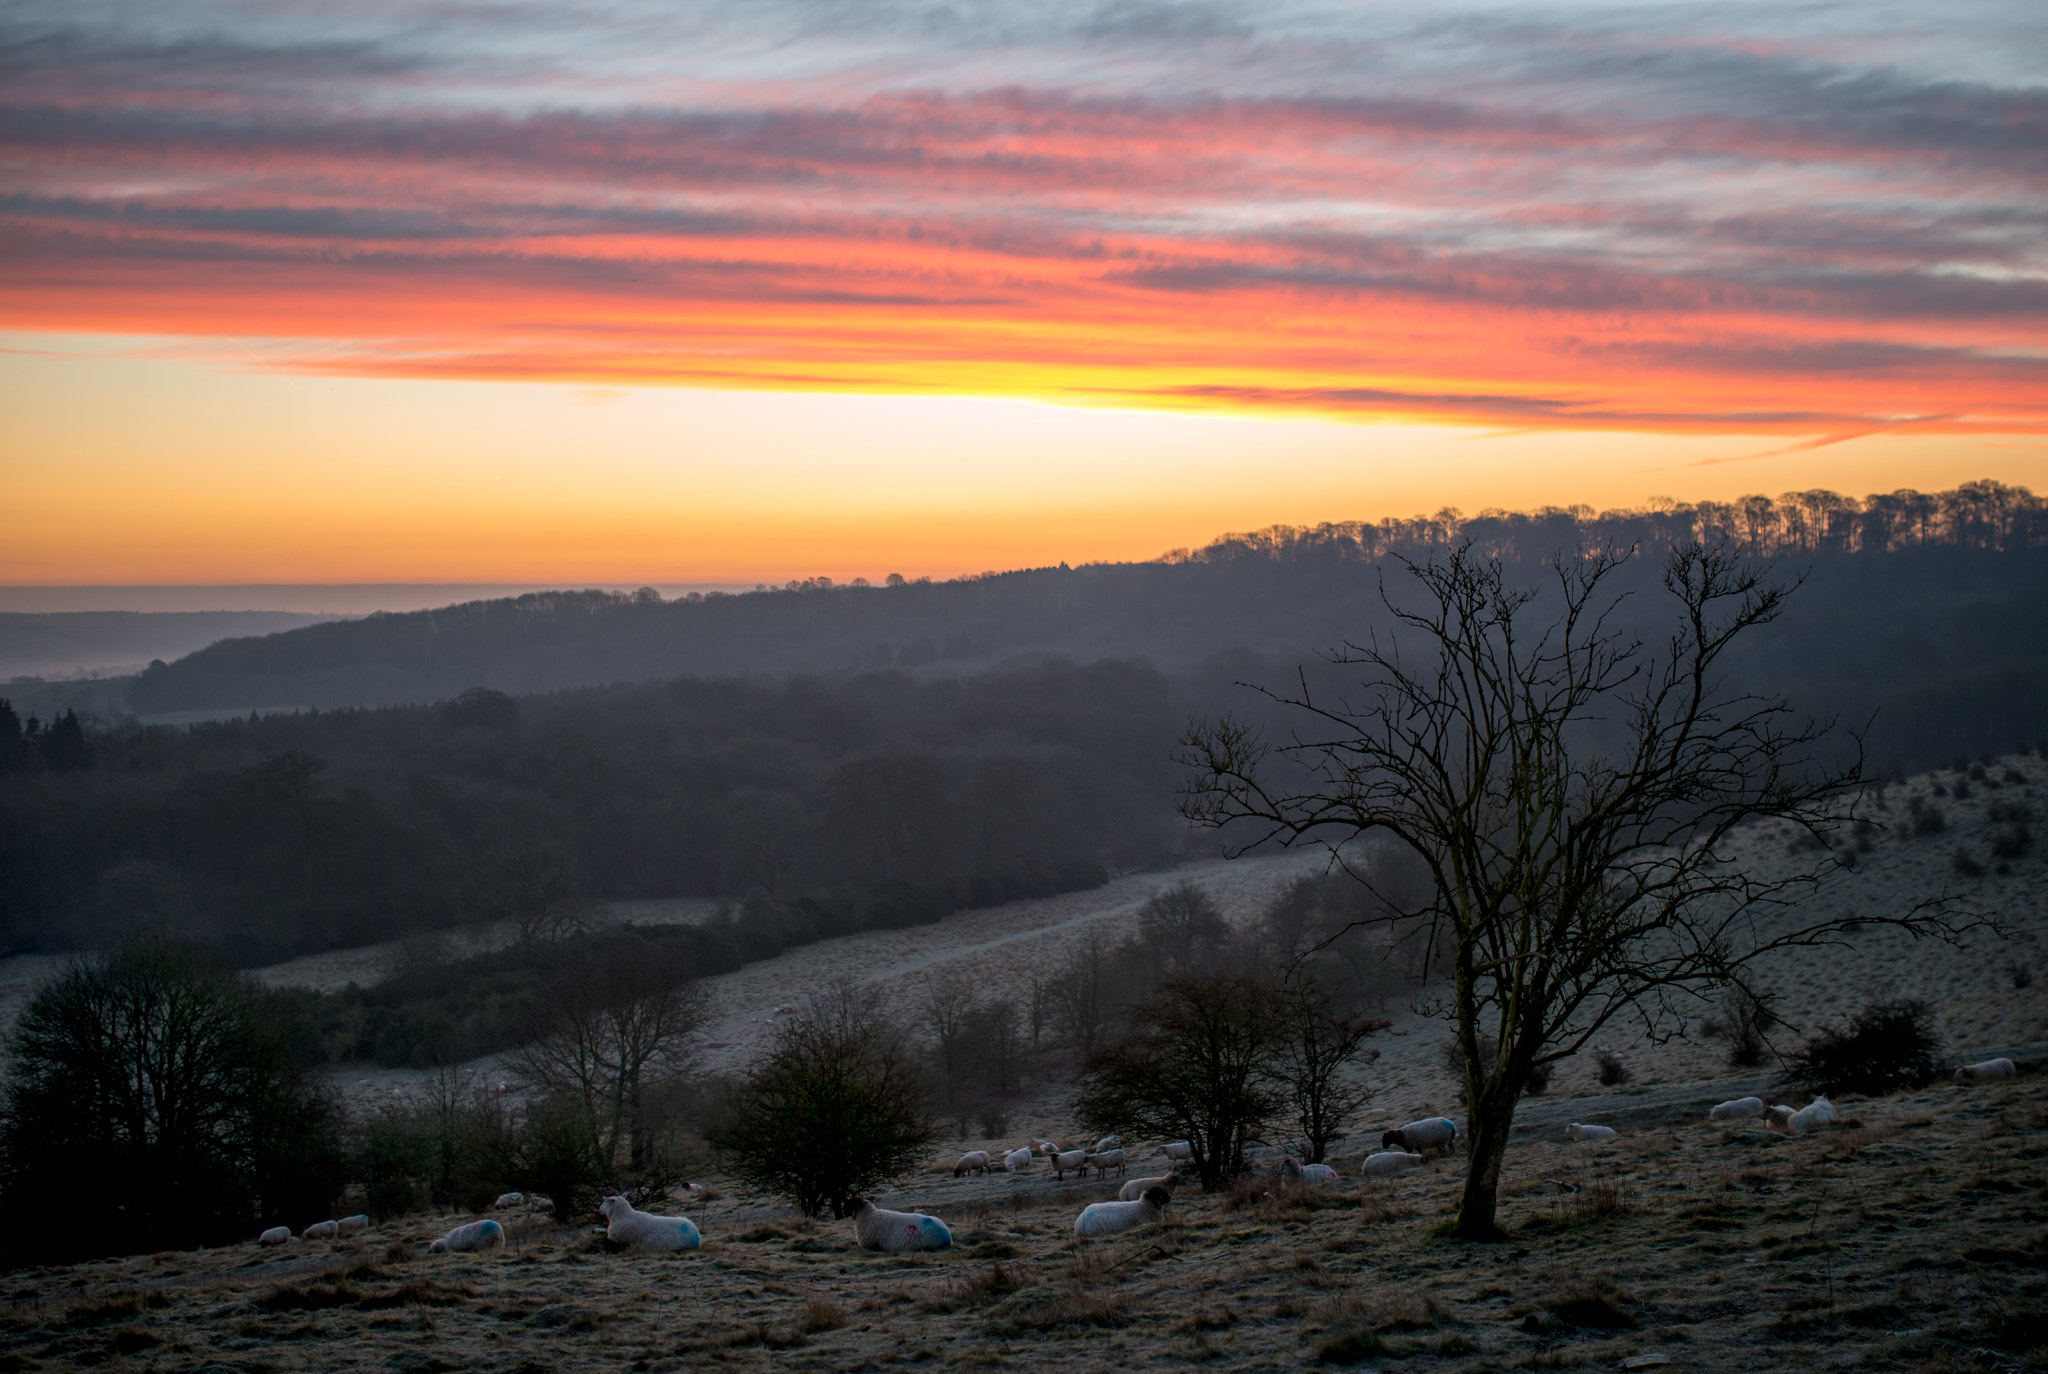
[[639, 1230], [1431, 1135], [1306, 1173], [1019, 1160], [1814, 1113], [321, 1230], [1387, 1163], [973, 1162], [1109, 1142], [1099, 1219], [276, 1235], [1578, 1132], [897, 1232], [1138, 1187], [1176, 1149], [477, 1235], [1990, 1071], [1741, 1109], [508, 1200], [350, 1225], [1105, 1160], [1778, 1117], [1070, 1161]]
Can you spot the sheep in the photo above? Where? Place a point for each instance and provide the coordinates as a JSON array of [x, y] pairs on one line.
[[1109, 1142], [1176, 1149], [1306, 1173], [477, 1235], [1137, 1187], [973, 1162], [350, 1225], [1741, 1109], [508, 1200], [1019, 1160], [1069, 1161], [1814, 1113], [1387, 1163], [1778, 1117], [1578, 1132], [321, 1230], [1105, 1160], [1990, 1071], [1430, 1135], [1107, 1218], [276, 1235], [1047, 1148], [638, 1230], [896, 1232]]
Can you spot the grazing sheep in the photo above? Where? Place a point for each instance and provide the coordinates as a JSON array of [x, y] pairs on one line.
[[1578, 1132], [1018, 1160], [1109, 1142], [1138, 1187], [1387, 1163], [1306, 1173], [321, 1230], [1431, 1135], [1741, 1109], [276, 1235], [508, 1200], [639, 1230], [350, 1225], [1990, 1071], [1070, 1161], [1108, 1218], [1105, 1160], [973, 1162], [477, 1235], [896, 1232], [1176, 1149]]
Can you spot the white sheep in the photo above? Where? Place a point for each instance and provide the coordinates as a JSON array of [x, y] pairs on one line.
[[1018, 1160], [477, 1235], [973, 1162], [1990, 1071], [1105, 1160], [1741, 1109], [1814, 1113], [1176, 1149], [1387, 1163], [1047, 1148], [1070, 1161], [1778, 1117], [350, 1225], [508, 1200], [638, 1230], [1306, 1173], [1138, 1187], [276, 1235], [897, 1232], [1430, 1135], [1108, 1218], [321, 1230], [1109, 1142], [1579, 1132]]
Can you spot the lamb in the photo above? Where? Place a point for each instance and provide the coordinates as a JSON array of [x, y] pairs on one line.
[[350, 1225], [1387, 1163], [897, 1232], [276, 1235], [1306, 1173], [477, 1235], [1108, 1218], [1018, 1160], [1578, 1132], [1137, 1187], [638, 1230], [508, 1200], [1432, 1134], [1070, 1161], [1105, 1160], [321, 1230], [1741, 1109], [1990, 1071], [1176, 1149], [973, 1162], [1109, 1142]]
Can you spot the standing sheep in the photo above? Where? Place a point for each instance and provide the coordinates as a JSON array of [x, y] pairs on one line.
[[1430, 1135], [276, 1235], [639, 1230], [1741, 1109], [321, 1230], [973, 1162], [1099, 1219], [1577, 1132], [897, 1232], [1070, 1161], [1106, 1160], [477, 1235], [1109, 1142], [1990, 1071], [1387, 1163], [1176, 1149], [1306, 1173], [350, 1225]]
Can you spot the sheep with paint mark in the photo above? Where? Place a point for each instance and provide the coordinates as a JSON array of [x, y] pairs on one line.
[[1430, 1135], [477, 1235], [1070, 1162], [1100, 1219], [1138, 1187], [1104, 1160], [627, 1225], [276, 1235], [897, 1233], [1387, 1163], [350, 1225], [321, 1230], [1018, 1161], [1295, 1172], [1740, 1109], [973, 1162], [1577, 1131], [1989, 1071]]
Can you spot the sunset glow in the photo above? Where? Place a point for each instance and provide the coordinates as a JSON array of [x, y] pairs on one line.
[[521, 292]]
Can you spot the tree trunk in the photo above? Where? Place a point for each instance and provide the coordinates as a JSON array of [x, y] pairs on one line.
[[1493, 1114]]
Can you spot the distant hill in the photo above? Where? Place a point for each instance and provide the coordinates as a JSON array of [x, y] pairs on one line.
[[80, 643]]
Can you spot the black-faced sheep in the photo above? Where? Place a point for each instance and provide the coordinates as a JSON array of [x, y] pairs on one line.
[[1431, 1135]]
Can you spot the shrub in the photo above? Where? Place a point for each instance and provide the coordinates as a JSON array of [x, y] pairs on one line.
[[1885, 1047], [1750, 1017], [1612, 1071], [1966, 864], [1927, 818], [2010, 842]]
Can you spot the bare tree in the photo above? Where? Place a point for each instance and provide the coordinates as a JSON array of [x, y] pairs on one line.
[[1318, 1049], [1081, 998], [613, 1023], [1571, 791]]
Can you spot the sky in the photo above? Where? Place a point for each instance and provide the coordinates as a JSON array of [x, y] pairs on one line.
[[718, 293]]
